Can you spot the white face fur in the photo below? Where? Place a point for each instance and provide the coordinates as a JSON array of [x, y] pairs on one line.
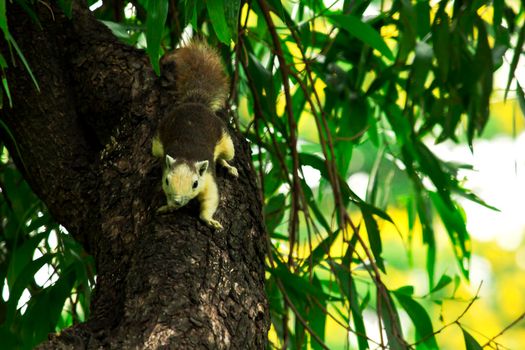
[[182, 182]]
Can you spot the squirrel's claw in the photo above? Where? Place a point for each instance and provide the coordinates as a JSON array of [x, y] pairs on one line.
[[233, 171], [214, 224], [164, 209]]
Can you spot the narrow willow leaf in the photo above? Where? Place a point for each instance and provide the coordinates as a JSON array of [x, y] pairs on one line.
[[119, 30], [431, 166], [376, 211], [422, 10], [425, 217], [22, 281], [457, 231], [515, 59], [12, 137], [10, 339], [342, 274], [216, 10], [357, 317], [441, 42], [374, 237], [354, 119], [44, 309], [22, 256], [67, 7], [473, 197], [274, 211], [7, 91], [231, 12], [470, 342], [391, 322], [420, 319], [521, 99], [315, 162], [12, 41], [363, 31], [444, 281], [298, 285], [317, 318], [322, 249], [420, 68], [3, 19], [155, 21], [279, 10], [312, 205], [190, 12], [481, 88]]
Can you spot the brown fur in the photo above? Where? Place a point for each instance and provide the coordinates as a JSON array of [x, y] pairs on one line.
[[191, 132], [191, 136], [196, 74]]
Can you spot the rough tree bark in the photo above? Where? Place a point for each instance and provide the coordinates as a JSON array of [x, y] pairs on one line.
[[163, 281]]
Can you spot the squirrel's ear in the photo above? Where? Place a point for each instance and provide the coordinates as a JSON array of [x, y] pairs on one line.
[[169, 161], [202, 167]]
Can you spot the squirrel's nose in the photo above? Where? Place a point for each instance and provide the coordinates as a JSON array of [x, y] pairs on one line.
[[177, 201]]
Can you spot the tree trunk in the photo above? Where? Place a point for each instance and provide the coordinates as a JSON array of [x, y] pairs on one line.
[[83, 144]]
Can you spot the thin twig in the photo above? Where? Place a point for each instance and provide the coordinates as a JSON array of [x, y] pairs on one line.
[[456, 321], [512, 324]]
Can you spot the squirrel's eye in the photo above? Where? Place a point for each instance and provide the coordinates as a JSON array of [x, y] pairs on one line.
[[167, 182], [195, 184]]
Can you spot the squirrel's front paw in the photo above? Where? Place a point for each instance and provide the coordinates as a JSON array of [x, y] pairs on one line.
[[214, 224], [164, 209], [233, 171]]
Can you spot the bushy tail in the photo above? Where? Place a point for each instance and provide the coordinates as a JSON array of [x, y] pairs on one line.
[[196, 74]]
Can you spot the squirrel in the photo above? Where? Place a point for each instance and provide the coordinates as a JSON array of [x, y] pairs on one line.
[[191, 138]]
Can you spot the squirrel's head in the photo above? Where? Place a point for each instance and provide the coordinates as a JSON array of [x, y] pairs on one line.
[[182, 180]]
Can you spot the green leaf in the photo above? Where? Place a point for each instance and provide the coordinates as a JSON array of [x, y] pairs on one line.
[[470, 342], [157, 12], [44, 309], [67, 7], [274, 212], [363, 31], [374, 237], [312, 205], [10, 340], [481, 87], [299, 286], [357, 316], [3, 20], [315, 162], [190, 12], [231, 12], [420, 68], [7, 92], [457, 231], [391, 322], [22, 256], [514, 63], [442, 283], [22, 281], [122, 31], [432, 167], [441, 41], [422, 10], [420, 319], [12, 41], [322, 249], [426, 215], [521, 98], [317, 318], [217, 11]]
